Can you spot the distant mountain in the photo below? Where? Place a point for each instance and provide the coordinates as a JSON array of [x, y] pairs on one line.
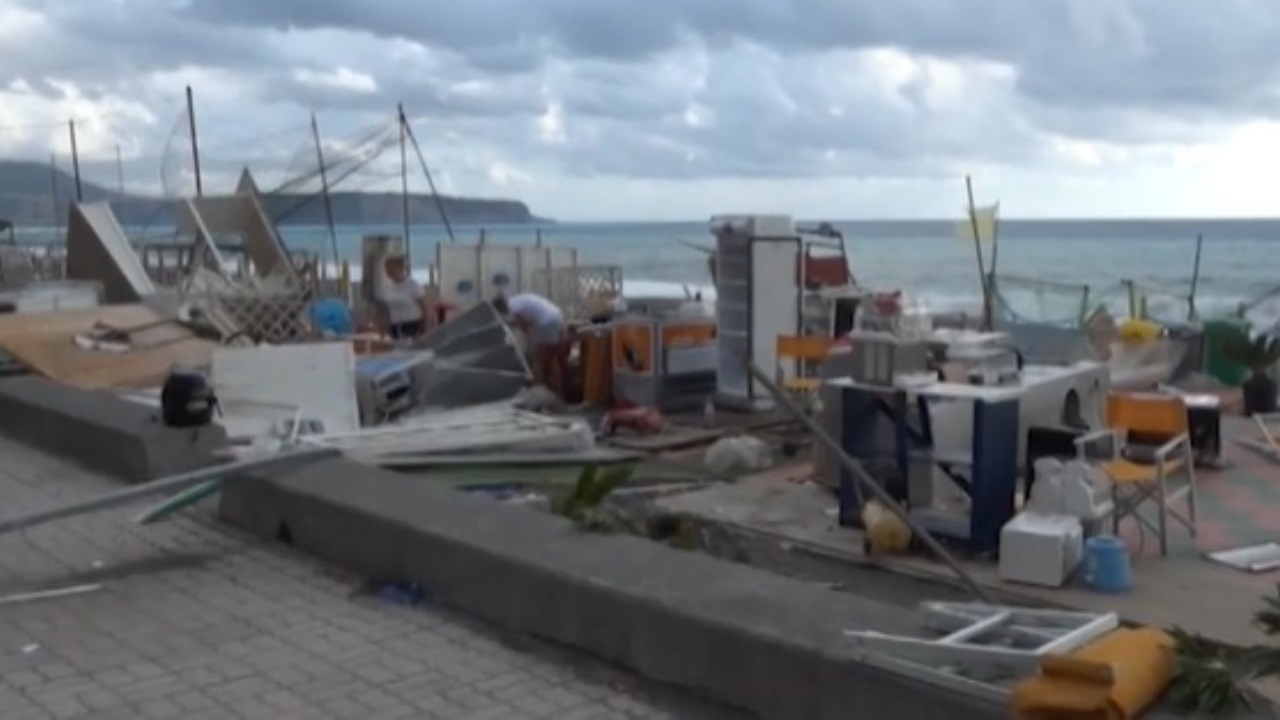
[[28, 189]]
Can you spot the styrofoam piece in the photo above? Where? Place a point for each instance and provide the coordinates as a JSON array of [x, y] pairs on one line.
[[1262, 557], [562, 257], [500, 271], [1040, 549], [534, 262], [319, 377], [460, 274]]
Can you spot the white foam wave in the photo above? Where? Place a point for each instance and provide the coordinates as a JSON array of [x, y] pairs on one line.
[[630, 288], [1266, 314]]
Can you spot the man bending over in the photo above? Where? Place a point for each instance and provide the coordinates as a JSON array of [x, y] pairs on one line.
[[543, 327]]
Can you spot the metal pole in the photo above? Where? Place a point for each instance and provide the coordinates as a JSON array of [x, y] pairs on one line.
[[75, 160], [324, 194], [977, 249], [195, 144], [855, 469], [119, 170], [53, 192], [1195, 279], [171, 484], [404, 184]]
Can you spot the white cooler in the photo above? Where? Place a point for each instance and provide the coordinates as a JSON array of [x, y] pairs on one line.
[[1040, 549]]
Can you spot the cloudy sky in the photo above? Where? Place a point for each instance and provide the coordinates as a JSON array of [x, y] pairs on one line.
[[677, 109]]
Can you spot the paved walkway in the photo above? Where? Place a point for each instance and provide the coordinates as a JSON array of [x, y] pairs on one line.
[[196, 621]]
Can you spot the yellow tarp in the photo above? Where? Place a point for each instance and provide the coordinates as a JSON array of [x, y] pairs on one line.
[[1113, 678]]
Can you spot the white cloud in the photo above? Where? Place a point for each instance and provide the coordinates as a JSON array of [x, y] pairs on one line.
[[340, 78], [676, 109]]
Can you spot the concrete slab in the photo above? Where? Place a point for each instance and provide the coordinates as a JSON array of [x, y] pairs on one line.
[[101, 431], [767, 644]]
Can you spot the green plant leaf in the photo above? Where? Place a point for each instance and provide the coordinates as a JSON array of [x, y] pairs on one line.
[[1255, 352]]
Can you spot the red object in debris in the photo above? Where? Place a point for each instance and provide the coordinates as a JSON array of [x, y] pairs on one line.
[[824, 271], [888, 303], [641, 420], [443, 310]]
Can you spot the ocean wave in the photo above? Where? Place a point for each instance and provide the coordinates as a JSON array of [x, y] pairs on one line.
[[1264, 314]]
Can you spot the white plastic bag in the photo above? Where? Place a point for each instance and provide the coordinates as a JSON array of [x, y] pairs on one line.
[[740, 454], [1046, 494]]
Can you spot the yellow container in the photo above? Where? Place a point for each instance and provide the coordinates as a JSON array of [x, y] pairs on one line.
[[1116, 677], [884, 531], [1139, 331]]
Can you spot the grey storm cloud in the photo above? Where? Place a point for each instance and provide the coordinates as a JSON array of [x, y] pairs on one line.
[[1177, 53], [681, 88]]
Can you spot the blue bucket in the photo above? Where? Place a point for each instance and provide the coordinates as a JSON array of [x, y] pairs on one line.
[[333, 316], [1106, 564]]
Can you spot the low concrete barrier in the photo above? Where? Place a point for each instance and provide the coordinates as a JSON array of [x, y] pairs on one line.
[[747, 638], [101, 431]]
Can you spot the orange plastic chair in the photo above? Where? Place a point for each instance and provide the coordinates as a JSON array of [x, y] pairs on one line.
[[1140, 476], [807, 352]]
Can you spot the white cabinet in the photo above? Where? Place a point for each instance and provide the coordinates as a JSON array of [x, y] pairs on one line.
[[758, 298]]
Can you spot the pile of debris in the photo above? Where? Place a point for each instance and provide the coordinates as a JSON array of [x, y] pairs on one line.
[[457, 395]]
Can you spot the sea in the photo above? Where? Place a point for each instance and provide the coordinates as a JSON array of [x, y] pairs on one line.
[[1046, 269]]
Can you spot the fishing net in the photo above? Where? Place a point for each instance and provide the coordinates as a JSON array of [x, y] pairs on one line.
[[349, 164], [1032, 300], [1166, 304]]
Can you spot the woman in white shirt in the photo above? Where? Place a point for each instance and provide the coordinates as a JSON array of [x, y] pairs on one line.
[[403, 299]]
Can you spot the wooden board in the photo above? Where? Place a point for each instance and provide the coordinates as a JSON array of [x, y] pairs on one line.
[[45, 343]]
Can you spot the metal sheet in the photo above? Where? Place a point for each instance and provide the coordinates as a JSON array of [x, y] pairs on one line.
[[171, 484], [317, 379]]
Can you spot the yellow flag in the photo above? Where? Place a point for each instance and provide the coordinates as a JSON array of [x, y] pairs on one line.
[[984, 219]]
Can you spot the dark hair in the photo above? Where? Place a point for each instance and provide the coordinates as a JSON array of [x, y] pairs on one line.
[[500, 304]]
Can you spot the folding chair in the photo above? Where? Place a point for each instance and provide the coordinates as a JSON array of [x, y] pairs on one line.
[[807, 352], [1265, 443], [1140, 473]]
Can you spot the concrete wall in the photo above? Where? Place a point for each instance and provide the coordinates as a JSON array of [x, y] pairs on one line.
[[748, 638], [101, 431]]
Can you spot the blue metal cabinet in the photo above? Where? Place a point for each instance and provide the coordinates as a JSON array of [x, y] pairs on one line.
[[885, 425]]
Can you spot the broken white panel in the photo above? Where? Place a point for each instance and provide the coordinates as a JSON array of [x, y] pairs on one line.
[[460, 274], [535, 262], [269, 383], [98, 249], [982, 641], [500, 271], [492, 428]]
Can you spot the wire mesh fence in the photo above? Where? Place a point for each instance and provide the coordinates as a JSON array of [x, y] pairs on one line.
[[1042, 301], [581, 291]]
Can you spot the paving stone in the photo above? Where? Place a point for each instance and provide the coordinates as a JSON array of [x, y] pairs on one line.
[[195, 620]]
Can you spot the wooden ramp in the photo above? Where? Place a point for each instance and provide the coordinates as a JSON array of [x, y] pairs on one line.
[[45, 343]]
